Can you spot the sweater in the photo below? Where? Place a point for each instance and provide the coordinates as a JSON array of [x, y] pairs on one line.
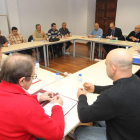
[[38, 36], [118, 105]]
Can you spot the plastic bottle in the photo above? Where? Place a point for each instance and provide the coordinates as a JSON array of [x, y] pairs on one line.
[[85, 35], [80, 80], [47, 39], [99, 37], [57, 79], [127, 47], [37, 66], [116, 38], [136, 46], [32, 40], [10, 54]]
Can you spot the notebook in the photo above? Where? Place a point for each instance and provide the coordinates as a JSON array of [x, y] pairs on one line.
[[68, 103], [36, 80]]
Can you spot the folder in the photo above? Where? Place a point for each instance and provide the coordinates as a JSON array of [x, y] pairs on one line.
[[68, 103]]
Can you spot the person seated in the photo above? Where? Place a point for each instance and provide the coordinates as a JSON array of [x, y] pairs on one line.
[[113, 33], [54, 33], [118, 104], [16, 38], [21, 115], [3, 40], [66, 33], [95, 33], [134, 36], [39, 35]]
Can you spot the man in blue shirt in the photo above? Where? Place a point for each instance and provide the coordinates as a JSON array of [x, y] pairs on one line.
[[95, 33], [54, 33]]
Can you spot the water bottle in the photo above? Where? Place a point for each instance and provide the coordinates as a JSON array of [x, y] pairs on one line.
[[136, 46], [80, 80], [32, 40], [99, 37], [62, 36], [57, 79], [37, 66], [47, 39], [127, 47], [85, 35], [8, 44], [116, 38], [10, 54]]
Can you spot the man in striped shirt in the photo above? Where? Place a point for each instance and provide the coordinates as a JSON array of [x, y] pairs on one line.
[[54, 33]]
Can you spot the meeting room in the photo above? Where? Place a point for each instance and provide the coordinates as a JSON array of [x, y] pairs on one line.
[[69, 70]]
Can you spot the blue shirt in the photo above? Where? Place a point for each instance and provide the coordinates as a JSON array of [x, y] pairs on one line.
[[97, 33]]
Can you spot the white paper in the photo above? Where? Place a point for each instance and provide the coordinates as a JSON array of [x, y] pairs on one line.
[[68, 104]]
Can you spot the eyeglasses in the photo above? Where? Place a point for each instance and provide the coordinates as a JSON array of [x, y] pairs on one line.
[[34, 77]]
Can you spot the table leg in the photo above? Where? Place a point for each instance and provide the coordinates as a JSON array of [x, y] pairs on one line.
[[37, 54], [93, 49], [73, 48], [64, 44], [100, 50], [48, 54], [34, 53], [44, 50]]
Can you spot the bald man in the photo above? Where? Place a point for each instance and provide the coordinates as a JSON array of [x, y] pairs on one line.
[[95, 33], [118, 104], [134, 36]]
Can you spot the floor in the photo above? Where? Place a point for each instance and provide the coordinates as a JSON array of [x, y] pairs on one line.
[[68, 63]]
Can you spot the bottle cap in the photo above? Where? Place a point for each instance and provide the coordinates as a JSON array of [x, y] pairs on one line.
[[57, 73], [37, 62], [80, 74]]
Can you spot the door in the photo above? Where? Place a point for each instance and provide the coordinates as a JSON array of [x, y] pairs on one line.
[[105, 13]]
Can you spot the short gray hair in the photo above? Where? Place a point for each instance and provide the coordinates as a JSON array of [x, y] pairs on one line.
[[64, 23], [16, 67]]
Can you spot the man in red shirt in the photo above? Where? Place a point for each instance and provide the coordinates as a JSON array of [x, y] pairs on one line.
[[21, 116]]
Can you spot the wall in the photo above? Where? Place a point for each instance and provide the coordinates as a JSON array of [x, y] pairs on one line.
[[127, 15], [2, 7], [42, 12]]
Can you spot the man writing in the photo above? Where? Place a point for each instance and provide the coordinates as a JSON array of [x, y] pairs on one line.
[[21, 116]]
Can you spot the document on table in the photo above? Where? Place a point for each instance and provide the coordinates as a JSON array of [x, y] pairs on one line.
[[136, 59], [68, 104]]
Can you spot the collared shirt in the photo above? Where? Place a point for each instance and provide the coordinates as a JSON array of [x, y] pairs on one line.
[[113, 32], [64, 32], [97, 33], [53, 34], [16, 39], [3, 40]]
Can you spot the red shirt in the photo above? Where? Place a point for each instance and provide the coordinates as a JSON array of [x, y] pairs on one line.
[[22, 117]]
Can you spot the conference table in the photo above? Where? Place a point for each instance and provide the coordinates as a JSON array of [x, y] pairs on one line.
[[44, 77], [45, 44]]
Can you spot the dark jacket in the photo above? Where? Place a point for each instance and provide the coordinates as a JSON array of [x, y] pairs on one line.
[[133, 34], [118, 33]]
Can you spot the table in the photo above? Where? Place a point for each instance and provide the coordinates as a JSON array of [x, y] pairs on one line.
[[68, 87], [25, 46], [46, 78]]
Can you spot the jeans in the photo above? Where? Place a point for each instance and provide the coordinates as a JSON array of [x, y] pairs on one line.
[[91, 132]]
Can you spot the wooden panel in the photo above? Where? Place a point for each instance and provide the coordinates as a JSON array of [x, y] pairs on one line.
[[105, 13]]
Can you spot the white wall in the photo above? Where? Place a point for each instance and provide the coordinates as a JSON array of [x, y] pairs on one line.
[[127, 16], [2, 7], [42, 12]]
